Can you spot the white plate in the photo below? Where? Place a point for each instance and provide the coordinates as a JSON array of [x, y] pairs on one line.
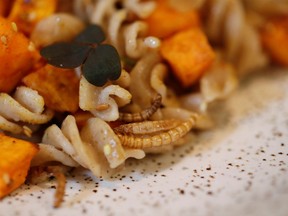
[[239, 168]]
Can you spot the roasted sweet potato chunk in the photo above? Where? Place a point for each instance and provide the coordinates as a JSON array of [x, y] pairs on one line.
[[189, 54], [165, 20], [27, 13], [17, 55], [59, 87], [275, 39], [15, 158], [5, 6]]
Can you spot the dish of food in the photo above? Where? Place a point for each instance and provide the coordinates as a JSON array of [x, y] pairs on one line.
[[239, 167], [108, 103]]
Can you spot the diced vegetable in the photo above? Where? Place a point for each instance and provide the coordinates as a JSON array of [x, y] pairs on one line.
[[5, 6], [59, 87], [189, 54], [275, 39], [15, 158], [17, 55], [165, 21], [27, 13]]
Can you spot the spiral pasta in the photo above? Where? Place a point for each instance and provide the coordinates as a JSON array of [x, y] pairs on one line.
[[140, 8], [26, 107], [49, 153], [268, 7], [56, 28], [95, 147], [140, 79], [227, 24], [129, 38], [99, 102]]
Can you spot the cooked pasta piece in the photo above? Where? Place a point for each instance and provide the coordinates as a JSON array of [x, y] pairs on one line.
[[8, 126], [141, 8], [140, 79], [268, 7], [109, 97], [134, 43], [126, 35], [218, 82], [226, 23], [58, 27], [95, 147], [49, 154], [26, 107], [124, 80], [158, 75]]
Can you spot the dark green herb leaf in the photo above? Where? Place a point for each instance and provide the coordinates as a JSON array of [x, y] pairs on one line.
[[102, 64], [91, 34], [65, 55]]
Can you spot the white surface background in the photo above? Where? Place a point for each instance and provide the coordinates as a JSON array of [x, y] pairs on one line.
[[238, 168]]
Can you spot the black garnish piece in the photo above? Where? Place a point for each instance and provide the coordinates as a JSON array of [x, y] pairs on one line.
[[107, 62], [65, 55], [100, 62], [92, 34]]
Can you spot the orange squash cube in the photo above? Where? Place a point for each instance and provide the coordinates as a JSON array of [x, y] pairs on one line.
[[59, 87], [27, 13], [17, 55], [16, 156], [275, 40], [5, 6], [189, 54], [165, 20]]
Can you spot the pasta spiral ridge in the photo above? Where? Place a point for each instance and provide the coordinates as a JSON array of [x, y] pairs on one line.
[[227, 25], [128, 37], [25, 107], [109, 97], [95, 147], [267, 7]]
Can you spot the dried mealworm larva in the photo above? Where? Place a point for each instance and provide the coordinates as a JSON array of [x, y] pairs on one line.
[[146, 127], [60, 190], [144, 114], [161, 139]]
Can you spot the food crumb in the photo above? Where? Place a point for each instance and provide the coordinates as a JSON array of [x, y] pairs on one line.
[[4, 39]]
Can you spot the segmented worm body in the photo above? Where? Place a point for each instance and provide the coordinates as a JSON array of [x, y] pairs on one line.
[[60, 190], [147, 127], [144, 114], [40, 174], [160, 139]]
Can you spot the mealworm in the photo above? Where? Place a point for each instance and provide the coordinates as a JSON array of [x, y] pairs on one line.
[[147, 127], [60, 191], [144, 114], [161, 139], [40, 174], [61, 183]]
